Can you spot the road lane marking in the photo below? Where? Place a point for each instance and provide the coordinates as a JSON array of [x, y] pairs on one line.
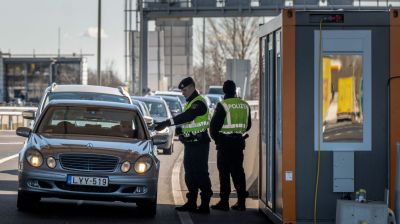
[[11, 143], [8, 158], [184, 217], [8, 192]]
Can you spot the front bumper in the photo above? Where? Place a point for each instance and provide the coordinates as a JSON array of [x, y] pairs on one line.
[[124, 188]]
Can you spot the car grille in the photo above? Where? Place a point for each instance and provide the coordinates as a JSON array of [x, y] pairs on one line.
[[109, 189], [88, 162]]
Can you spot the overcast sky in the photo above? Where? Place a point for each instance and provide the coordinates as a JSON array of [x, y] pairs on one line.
[[33, 24]]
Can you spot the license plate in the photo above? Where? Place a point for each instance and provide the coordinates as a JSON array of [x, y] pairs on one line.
[[87, 181]]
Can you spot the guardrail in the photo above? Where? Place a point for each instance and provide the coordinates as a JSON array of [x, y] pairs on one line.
[[11, 117], [254, 109]]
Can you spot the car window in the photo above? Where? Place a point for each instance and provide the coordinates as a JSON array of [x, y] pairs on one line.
[[156, 109], [85, 96], [145, 109], [181, 97], [174, 105], [214, 99], [137, 104], [81, 120], [215, 91]]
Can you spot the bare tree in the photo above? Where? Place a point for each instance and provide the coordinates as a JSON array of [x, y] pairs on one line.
[[229, 38], [109, 76]]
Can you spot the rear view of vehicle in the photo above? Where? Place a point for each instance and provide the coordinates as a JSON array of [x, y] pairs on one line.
[[88, 150]]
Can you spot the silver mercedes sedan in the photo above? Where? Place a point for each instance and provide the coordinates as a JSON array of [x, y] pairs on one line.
[[89, 150]]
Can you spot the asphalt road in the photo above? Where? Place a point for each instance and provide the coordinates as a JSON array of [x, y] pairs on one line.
[[78, 211]]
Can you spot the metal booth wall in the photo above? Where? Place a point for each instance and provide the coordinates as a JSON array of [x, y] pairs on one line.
[[288, 148], [370, 167]]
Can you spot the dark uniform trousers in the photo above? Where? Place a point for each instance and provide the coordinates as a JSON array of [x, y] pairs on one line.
[[195, 162], [230, 163]]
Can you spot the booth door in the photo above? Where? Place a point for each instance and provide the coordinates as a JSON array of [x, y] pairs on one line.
[[271, 131]]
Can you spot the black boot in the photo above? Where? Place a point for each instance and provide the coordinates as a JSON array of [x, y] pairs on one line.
[[204, 207], [188, 207], [222, 205], [240, 205]]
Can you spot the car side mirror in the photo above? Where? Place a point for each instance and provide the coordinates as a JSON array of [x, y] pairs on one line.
[[157, 141], [28, 114], [23, 131], [149, 121]]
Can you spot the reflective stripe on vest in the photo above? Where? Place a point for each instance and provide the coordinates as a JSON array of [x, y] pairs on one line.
[[237, 113], [199, 124]]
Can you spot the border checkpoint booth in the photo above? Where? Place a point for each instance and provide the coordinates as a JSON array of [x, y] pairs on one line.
[[329, 96]]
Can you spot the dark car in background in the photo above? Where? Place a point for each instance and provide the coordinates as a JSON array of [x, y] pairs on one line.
[[173, 94], [174, 104], [159, 112], [88, 150]]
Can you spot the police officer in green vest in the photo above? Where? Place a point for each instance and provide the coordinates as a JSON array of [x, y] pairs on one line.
[[196, 141], [228, 125]]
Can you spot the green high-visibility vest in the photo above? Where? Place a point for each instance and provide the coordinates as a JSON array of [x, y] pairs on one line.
[[237, 113], [199, 124]]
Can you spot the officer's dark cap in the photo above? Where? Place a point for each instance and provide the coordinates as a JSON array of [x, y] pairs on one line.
[[185, 82], [229, 87]]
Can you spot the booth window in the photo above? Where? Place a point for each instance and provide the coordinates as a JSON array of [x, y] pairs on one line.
[[342, 99]]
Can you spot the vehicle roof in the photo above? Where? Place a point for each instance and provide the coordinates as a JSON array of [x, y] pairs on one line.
[[168, 93], [175, 98], [87, 88], [93, 103], [214, 95], [150, 99]]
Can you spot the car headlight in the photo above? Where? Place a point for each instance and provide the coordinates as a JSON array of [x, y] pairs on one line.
[[34, 157], [51, 162], [143, 164], [125, 166]]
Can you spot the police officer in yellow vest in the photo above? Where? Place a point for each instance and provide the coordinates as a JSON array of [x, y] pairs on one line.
[[196, 142], [228, 125]]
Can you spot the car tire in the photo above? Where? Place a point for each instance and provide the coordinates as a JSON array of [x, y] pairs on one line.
[[26, 201], [169, 150], [148, 208]]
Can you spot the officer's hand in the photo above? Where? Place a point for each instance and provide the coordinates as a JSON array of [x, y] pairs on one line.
[[160, 126]]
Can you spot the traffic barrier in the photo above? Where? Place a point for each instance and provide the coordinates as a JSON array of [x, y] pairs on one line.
[[11, 117]]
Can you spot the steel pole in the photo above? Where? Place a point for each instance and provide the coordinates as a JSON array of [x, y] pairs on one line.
[[204, 55], [99, 43]]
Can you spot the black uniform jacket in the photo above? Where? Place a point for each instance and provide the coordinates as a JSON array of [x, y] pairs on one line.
[[217, 121], [198, 108]]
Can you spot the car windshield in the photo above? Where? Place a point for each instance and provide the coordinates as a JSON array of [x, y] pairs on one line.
[[181, 97], [90, 120], [157, 110], [214, 99], [145, 109], [215, 91], [174, 105], [85, 96]]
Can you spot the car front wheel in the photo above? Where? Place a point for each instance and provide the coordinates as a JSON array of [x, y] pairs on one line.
[[26, 201], [148, 207], [169, 150]]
